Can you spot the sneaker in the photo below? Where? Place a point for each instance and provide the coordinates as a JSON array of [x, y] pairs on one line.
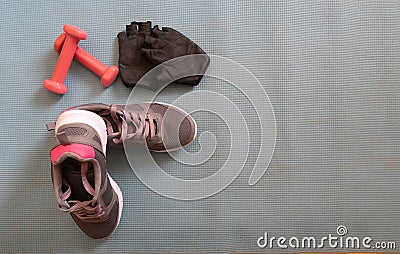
[[82, 185], [163, 127]]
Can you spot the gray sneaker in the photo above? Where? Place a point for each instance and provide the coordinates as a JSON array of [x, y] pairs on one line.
[[81, 183], [163, 127]]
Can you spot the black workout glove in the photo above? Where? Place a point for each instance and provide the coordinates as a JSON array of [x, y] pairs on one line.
[[138, 56]]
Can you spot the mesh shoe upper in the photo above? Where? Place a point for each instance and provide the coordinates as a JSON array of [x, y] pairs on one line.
[[163, 127]]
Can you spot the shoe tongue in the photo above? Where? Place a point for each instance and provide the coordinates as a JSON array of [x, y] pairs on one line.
[[72, 174]]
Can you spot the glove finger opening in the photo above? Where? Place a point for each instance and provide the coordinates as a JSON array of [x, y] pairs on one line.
[[145, 27], [156, 31], [131, 29], [121, 36]]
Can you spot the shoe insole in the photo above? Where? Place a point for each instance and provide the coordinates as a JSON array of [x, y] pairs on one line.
[[71, 171]]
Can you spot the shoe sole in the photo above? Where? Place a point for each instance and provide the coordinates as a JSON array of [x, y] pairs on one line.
[[184, 113]]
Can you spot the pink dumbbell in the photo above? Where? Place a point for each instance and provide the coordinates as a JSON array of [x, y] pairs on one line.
[[72, 37], [107, 74]]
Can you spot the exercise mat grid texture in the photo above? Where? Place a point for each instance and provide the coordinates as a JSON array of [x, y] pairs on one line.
[[331, 70]]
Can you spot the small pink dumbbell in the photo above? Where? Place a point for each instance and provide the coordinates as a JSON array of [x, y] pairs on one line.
[[107, 74], [72, 37]]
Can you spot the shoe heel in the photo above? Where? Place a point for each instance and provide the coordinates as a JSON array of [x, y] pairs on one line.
[[83, 116]]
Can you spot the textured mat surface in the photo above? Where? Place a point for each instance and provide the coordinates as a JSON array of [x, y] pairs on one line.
[[331, 70]]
